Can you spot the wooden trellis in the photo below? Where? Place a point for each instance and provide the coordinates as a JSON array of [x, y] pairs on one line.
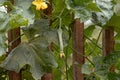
[[78, 46]]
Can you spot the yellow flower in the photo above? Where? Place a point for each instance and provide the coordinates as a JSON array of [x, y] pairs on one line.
[[39, 4]]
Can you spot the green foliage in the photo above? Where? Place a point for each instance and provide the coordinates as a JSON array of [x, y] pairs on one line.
[[86, 69], [3, 74], [103, 66], [35, 53], [2, 1], [106, 7], [17, 20], [23, 8], [61, 13], [114, 22], [3, 22], [58, 74], [78, 7], [82, 8], [89, 30], [2, 44], [93, 7], [117, 9], [20, 15]]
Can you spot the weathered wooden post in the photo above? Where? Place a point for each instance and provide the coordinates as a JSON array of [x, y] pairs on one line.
[[108, 43], [78, 49]]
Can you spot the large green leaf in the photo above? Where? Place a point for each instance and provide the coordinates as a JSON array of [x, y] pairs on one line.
[[10, 21], [79, 7], [36, 52], [23, 8], [106, 7], [41, 28], [20, 14], [40, 61], [103, 65], [82, 8]]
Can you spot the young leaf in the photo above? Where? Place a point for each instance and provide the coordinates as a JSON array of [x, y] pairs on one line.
[[17, 21]]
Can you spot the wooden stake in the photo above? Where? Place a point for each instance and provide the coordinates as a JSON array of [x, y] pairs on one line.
[[108, 41], [78, 49]]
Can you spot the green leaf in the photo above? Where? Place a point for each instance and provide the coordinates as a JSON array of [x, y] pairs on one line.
[[106, 7], [41, 28], [58, 74], [104, 64], [23, 8], [35, 52], [89, 30], [9, 4], [2, 1], [17, 21], [86, 69], [117, 9], [101, 69], [2, 44], [70, 73], [113, 76], [93, 7], [27, 75], [78, 7], [57, 6], [4, 19], [61, 12], [10, 21], [3, 74], [114, 22], [40, 61]]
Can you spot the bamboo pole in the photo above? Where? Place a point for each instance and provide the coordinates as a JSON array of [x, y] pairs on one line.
[[78, 52]]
